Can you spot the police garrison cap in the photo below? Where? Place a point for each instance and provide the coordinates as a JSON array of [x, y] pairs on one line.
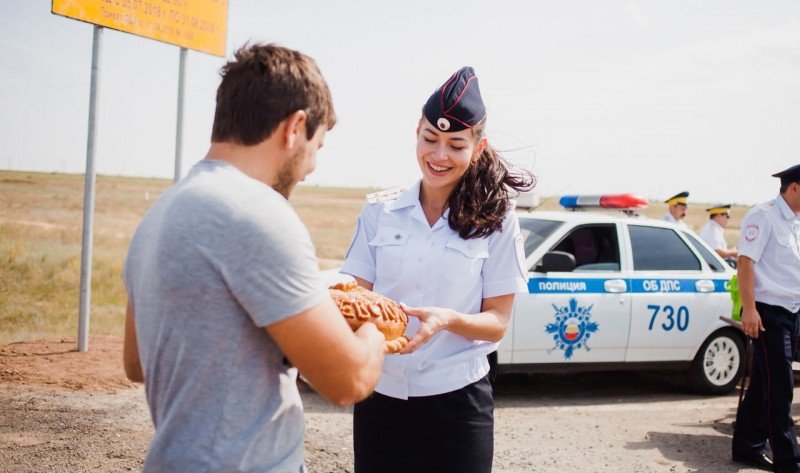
[[678, 198], [720, 209], [457, 104], [789, 175]]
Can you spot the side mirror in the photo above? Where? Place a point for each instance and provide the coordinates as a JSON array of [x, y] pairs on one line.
[[556, 261]]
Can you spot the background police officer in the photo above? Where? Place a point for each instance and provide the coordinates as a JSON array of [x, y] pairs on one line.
[[769, 284], [677, 209], [713, 232]]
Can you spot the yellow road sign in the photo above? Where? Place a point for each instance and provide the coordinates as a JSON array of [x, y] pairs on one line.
[[201, 25]]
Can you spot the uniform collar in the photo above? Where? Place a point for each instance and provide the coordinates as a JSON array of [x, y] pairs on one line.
[[410, 198], [715, 224], [786, 211]]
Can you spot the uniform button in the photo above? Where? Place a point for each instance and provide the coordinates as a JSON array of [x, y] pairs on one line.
[[398, 236]]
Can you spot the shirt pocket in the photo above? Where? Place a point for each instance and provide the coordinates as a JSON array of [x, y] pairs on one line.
[[389, 244], [788, 243], [463, 260]]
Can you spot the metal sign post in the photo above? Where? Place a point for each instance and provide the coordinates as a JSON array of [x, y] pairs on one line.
[[200, 25], [88, 200], [179, 124]]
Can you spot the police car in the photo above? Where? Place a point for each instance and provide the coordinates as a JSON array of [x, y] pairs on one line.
[[613, 290]]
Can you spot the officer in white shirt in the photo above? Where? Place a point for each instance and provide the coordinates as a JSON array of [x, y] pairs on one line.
[[449, 247], [713, 232], [677, 209], [769, 285]]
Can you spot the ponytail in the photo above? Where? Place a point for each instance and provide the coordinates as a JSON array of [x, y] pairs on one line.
[[481, 199]]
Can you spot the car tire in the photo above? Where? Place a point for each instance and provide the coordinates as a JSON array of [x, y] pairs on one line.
[[719, 364]]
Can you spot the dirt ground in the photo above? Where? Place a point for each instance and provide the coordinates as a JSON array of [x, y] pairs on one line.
[[73, 412]]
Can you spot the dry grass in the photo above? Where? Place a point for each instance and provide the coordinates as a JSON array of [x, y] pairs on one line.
[[40, 244]]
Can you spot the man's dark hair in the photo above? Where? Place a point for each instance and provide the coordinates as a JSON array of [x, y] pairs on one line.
[[263, 85]]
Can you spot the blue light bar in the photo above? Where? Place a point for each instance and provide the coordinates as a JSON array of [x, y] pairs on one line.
[[577, 201]]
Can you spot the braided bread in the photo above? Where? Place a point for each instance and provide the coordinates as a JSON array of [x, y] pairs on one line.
[[359, 305]]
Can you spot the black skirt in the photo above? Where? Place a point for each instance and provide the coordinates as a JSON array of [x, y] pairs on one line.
[[451, 432]]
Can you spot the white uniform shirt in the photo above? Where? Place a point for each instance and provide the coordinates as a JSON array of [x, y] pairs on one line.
[[714, 235], [669, 218], [770, 236], [409, 261]]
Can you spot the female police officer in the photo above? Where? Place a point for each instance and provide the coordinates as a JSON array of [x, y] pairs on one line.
[[450, 247]]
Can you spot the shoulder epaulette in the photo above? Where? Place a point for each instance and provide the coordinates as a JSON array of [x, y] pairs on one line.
[[384, 195], [766, 205]]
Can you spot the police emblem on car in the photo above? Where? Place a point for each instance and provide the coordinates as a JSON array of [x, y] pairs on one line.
[[572, 328]]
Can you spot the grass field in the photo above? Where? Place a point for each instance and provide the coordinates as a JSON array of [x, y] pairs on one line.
[[40, 244]]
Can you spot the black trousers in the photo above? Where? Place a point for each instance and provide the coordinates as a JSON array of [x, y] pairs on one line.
[[765, 413], [451, 432]]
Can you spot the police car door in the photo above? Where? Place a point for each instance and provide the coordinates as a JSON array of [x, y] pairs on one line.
[[676, 298], [581, 315]]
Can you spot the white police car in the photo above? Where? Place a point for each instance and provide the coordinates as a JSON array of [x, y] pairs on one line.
[[609, 291]]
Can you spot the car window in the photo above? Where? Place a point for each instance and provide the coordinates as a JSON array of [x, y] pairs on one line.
[[713, 262], [595, 247], [535, 231], [660, 249]]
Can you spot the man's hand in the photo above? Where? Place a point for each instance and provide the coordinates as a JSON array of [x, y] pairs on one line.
[[751, 322], [130, 349], [341, 365], [751, 319]]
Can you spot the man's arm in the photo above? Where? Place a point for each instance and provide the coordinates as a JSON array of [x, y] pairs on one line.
[[751, 320], [130, 350], [725, 253], [341, 365]]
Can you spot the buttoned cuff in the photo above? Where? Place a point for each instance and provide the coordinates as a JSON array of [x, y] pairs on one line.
[[503, 287], [359, 270]]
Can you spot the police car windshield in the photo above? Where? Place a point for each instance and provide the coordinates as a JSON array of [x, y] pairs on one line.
[[535, 231], [712, 260]]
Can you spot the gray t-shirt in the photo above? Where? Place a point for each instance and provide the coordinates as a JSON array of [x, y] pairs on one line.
[[218, 257]]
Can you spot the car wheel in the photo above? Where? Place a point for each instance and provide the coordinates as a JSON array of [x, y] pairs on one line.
[[719, 364]]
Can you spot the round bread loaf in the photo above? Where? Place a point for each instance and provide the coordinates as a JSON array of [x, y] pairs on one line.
[[359, 305]]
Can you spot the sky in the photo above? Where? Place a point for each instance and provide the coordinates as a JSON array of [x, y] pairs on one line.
[[646, 97]]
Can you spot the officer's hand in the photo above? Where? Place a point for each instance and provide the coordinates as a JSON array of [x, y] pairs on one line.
[[432, 320], [751, 323]]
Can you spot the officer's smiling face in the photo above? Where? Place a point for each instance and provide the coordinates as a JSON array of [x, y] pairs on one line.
[[443, 157]]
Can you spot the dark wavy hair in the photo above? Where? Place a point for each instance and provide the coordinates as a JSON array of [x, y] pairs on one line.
[[481, 198], [264, 84]]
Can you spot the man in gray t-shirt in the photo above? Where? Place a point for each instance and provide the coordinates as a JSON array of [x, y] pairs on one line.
[[223, 285]]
